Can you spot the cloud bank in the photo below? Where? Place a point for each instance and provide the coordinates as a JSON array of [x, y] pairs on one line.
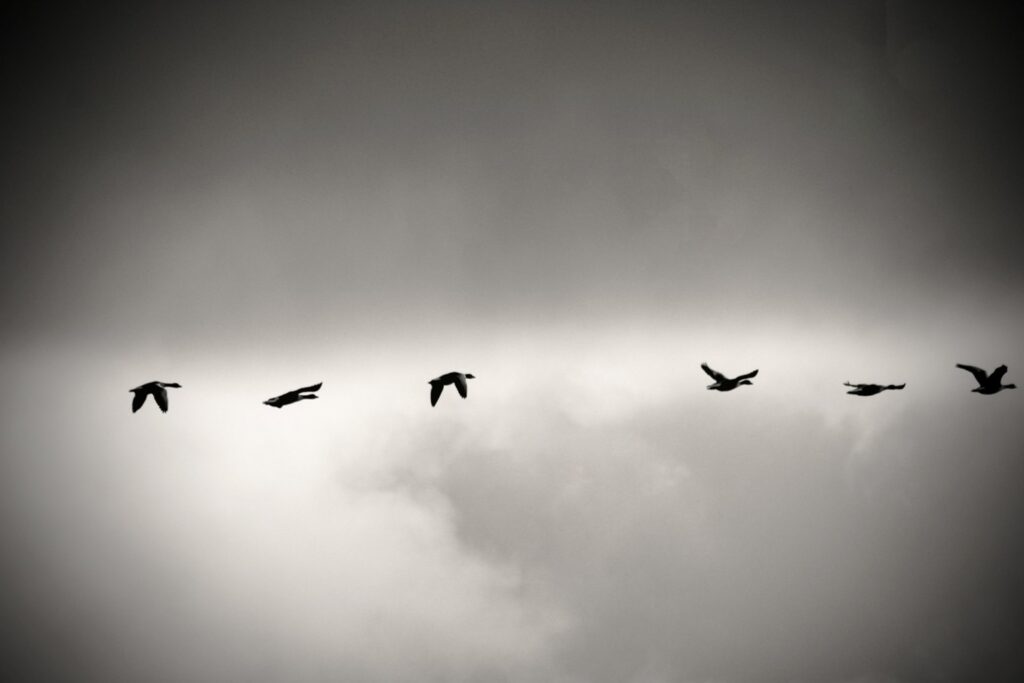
[[679, 537]]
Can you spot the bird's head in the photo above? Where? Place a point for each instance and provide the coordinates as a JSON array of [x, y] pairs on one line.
[[469, 376], [171, 384], [1009, 386], [272, 402]]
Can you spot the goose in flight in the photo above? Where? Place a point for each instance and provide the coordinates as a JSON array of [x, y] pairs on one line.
[[294, 396], [871, 389], [157, 389], [723, 383], [438, 383], [988, 384]]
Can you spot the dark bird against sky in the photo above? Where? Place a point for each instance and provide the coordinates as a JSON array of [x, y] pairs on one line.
[[988, 383], [723, 383], [871, 389], [438, 383], [294, 396], [158, 391]]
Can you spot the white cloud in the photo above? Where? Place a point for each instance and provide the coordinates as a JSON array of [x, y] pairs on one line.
[[563, 523]]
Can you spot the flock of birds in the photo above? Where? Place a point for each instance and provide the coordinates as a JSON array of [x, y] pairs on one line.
[[988, 383]]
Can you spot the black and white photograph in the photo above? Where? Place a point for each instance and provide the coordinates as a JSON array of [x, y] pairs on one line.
[[512, 341]]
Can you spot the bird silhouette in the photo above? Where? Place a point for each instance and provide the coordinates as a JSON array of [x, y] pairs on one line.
[[438, 383], [988, 384], [872, 389], [294, 396], [157, 389], [723, 383]]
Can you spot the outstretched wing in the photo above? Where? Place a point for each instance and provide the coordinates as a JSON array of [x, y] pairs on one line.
[[138, 400], [997, 374], [980, 375], [435, 393], [749, 375], [160, 395], [460, 384], [314, 387], [715, 374]]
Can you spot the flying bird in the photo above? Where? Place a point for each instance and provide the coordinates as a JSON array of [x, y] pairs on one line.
[[988, 384], [871, 389], [157, 389], [723, 383], [294, 396], [457, 378]]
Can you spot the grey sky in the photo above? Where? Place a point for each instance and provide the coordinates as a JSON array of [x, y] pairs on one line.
[[220, 170], [579, 203]]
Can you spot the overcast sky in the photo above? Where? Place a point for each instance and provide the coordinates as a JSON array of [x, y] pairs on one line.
[[578, 203]]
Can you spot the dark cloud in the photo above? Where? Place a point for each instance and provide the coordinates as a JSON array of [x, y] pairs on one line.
[[217, 171], [685, 547]]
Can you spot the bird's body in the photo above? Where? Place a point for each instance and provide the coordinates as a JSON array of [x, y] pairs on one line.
[[157, 389], [988, 383], [457, 378], [305, 393], [872, 389], [723, 383]]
